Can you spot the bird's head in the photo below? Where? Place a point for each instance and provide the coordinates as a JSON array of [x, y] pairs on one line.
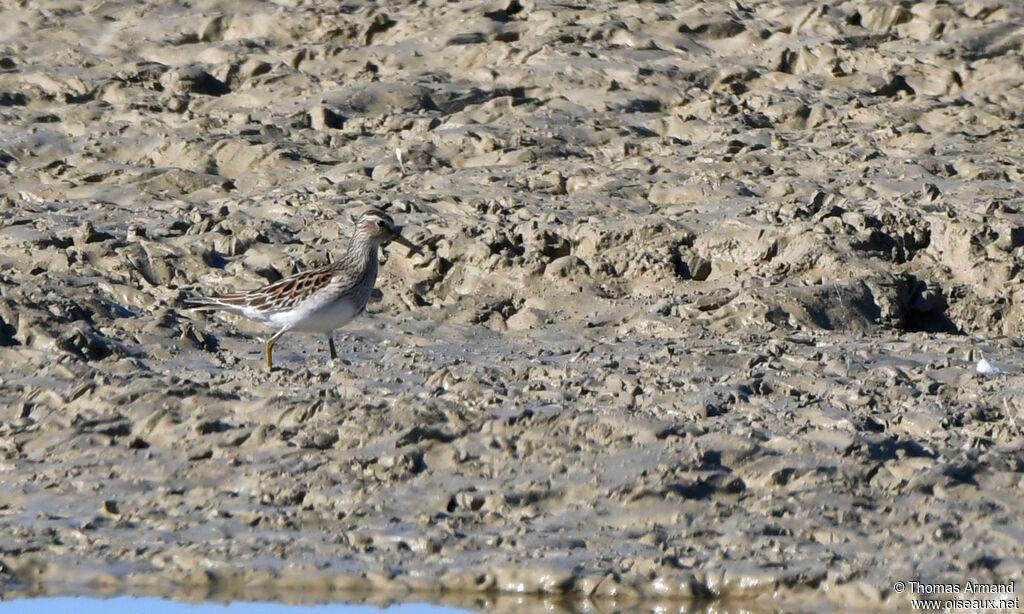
[[378, 226]]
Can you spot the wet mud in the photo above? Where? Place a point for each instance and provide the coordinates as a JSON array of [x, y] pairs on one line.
[[702, 297]]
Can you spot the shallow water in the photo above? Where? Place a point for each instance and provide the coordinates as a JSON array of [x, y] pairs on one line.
[[116, 605]]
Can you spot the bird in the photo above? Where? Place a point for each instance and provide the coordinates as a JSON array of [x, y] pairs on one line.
[[319, 300]]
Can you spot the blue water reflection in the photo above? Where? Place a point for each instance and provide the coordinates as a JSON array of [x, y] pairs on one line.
[[148, 605]]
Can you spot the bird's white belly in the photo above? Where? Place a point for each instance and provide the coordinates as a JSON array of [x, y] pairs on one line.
[[319, 318]]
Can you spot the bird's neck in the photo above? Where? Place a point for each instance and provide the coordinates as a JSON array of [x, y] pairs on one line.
[[362, 249]]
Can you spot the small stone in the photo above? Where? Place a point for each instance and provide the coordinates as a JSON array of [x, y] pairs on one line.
[[527, 319], [384, 171], [86, 234], [700, 268], [193, 79], [566, 266], [324, 118], [176, 103]]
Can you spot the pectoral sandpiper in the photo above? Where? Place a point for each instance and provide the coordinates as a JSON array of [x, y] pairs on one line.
[[319, 300]]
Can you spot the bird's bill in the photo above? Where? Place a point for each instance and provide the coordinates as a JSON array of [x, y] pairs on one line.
[[403, 241]]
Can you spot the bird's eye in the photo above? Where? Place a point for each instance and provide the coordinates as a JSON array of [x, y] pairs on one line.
[[382, 223]]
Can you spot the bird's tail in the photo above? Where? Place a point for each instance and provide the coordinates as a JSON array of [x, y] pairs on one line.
[[211, 303]]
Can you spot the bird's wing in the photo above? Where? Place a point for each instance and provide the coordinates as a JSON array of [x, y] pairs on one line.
[[277, 296], [284, 293]]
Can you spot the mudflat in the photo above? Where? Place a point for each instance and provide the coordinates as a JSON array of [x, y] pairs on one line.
[[703, 296]]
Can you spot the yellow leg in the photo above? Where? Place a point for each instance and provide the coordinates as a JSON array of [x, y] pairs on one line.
[[270, 346]]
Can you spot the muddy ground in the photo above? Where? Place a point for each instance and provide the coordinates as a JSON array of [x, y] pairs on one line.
[[703, 294]]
